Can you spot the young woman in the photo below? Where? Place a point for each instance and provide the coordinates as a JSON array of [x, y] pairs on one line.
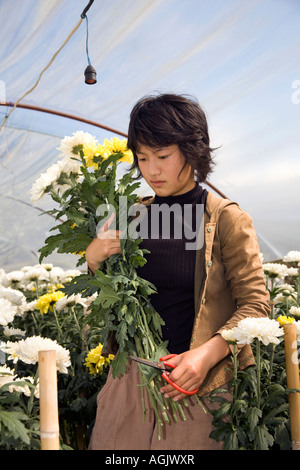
[[200, 290]]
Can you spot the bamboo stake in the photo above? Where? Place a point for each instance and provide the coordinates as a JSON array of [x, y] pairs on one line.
[[49, 427], [292, 371]]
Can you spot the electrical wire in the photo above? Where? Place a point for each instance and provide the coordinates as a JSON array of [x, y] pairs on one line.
[[87, 41], [42, 72]]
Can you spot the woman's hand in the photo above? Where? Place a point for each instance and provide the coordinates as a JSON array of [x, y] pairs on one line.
[[192, 366], [106, 244]]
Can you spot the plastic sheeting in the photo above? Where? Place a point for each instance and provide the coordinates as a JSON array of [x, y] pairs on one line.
[[239, 58]]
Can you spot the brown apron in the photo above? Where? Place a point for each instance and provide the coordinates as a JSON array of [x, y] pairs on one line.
[[120, 426]]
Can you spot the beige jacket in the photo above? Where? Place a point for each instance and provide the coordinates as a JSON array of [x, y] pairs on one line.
[[229, 282]]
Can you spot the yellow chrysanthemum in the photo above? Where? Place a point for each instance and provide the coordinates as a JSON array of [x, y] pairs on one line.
[[79, 253], [284, 320], [95, 361], [116, 145], [90, 152], [47, 301]]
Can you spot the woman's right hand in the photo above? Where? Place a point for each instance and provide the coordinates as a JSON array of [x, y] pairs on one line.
[[106, 244]]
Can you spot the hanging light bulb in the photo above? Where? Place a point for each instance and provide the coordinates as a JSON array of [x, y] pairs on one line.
[[89, 73]]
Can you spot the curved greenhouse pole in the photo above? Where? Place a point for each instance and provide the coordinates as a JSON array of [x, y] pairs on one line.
[[68, 116], [87, 121]]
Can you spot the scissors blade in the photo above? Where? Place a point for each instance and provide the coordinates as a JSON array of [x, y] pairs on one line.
[[147, 362]]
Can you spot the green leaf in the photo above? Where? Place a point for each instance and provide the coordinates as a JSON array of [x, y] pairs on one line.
[[239, 406], [149, 372], [51, 244], [223, 410], [121, 334], [282, 437], [12, 420], [107, 297], [81, 284], [263, 439], [272, 418], [231, 441], [220, 430], [157, 322], [120, 363], [254, 414]]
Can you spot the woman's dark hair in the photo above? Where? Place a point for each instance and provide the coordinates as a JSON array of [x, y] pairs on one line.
[[167, 119]]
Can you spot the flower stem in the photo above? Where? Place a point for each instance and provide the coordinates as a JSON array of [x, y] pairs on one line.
[[36, 288], [78, 327], [258, 372], [57, 323], [235, 370], [271, 361]]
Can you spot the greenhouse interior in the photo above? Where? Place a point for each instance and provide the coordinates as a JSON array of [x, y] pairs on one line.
[[70, 76]]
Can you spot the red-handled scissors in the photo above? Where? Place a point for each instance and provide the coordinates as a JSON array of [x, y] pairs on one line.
[[166, 368]]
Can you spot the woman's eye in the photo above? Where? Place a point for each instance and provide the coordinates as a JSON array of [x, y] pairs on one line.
[[163, 157]]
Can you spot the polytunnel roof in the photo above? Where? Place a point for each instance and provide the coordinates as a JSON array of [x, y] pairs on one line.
[[240, 59]]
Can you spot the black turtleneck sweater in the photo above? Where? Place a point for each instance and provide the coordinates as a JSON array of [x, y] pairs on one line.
[[171, 267]]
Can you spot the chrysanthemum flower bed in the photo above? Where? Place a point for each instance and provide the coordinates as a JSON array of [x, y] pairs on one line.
[[36, 315], [259, 418]]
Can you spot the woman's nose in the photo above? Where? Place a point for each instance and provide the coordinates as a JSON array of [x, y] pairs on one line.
[[153, 167]]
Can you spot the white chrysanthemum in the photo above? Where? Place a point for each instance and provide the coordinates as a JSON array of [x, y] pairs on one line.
[[283, 297], [45, 180], [71, 165], [29, 307], [15, 296], [2, 276], [286, 289], [264, 329], [275, 270], [7, 375], [57, 275], [47, 266], [295, 311], [67, 275], [293, 272], [229, 336], [297, 324], [65, 167], [20, 385], [70, 144], [36, 273], [7, 331], [69, 301], [27, 351], [8, 311], [13, 278], [292, 257]]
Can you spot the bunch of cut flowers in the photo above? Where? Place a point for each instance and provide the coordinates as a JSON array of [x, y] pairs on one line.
[[88, 185]]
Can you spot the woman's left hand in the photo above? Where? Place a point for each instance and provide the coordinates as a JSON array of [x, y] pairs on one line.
[[192, 366], [189, 374]]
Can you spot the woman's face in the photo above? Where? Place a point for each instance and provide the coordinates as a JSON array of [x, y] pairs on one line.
[[165, 170]]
